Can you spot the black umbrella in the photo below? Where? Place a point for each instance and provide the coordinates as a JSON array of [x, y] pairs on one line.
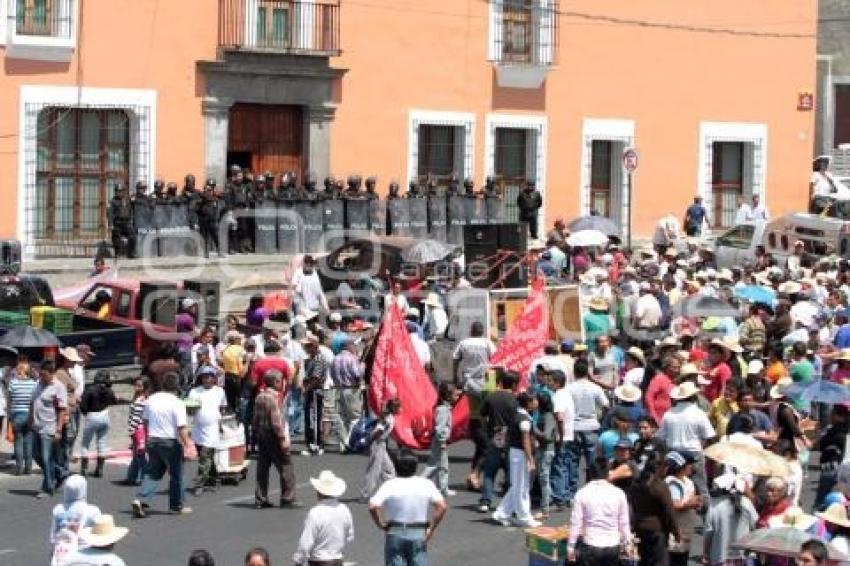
[[29, 337], [600, 223], [426, 251]]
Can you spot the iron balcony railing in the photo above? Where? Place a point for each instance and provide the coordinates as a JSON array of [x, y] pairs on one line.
[[42, 18], [525, 32], [308, 27]]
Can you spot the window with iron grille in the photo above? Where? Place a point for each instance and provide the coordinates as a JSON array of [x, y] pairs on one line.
[[437, 152], [81, 154], [273, 24], [523, 31], [510, 165], [600, 177], [517, 33], [727, 181]]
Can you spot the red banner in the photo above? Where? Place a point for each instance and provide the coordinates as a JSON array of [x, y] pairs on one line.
[[397, 373], [527, 335]]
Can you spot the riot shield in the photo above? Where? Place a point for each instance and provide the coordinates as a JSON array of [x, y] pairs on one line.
[[476, 213], [398, 213], [333, 218], [290, 229], [456, 219], [143, 219], [311, 216], [357, 214], [378, 217], [265, 227], [495, 209], [437, 218], [418, 217]]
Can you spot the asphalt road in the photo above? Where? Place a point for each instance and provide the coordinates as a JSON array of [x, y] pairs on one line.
[[226, 524]]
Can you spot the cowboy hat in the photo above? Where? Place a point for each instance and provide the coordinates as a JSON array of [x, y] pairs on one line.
[[668, 341], [844, 356], [728, 345], [70, 354], [689, 369], [636, 353], [790, 288], [328, 484], [432, 300], [580, 347], [597, 304], [103, 532], [835, 514], [693, 284], [685, 390], [793, 517], [778, 390], [726, 275], [627, 393]]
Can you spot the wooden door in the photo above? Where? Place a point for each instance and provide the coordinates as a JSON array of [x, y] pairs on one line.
[[272, 135], [842, 114]]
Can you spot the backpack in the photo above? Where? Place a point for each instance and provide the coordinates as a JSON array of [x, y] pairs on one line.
[[360, 435]]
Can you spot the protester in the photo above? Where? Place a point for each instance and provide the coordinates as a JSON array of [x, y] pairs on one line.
[[137, 431], [100, 539], [328, 528], [273, 444], [201, 557], [73, 514], [212, 402], [730, 516], [546, 435], [498, 412], [380, 467], [48, 419], [22, 382], [258, 556], [564, 411], [652, 511], [515, 506], [813, 552], [438, 460], [97, 398], [685, 501], [401, 508]]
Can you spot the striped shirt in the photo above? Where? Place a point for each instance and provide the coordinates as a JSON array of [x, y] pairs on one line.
[[346, 370], [136, 416], [20, 395]]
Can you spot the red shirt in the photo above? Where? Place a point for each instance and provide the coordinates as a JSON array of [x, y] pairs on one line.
[[265, 364], [718, 375], [657, 398]]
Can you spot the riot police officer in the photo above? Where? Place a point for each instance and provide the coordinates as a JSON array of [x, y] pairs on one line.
[[192, 197], [371, 188], [287, 191], [210, 210], [413, 190], [453, 187], [159, 196], [236, 194], [120, 216]]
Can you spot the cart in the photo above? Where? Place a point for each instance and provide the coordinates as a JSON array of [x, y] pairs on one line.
[[230, 463]]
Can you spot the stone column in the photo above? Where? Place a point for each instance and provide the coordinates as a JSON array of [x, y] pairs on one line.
[[317, 146], [216, 117]]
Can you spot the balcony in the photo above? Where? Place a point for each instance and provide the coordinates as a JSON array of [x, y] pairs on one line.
[[43, 30], [297, 27], [523, 41]]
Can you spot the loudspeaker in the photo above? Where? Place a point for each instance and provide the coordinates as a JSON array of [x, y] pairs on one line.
[[207, 292], [478, 257], [158, 302], [485, 241], [480, 234], [513, 237], [10, 257]]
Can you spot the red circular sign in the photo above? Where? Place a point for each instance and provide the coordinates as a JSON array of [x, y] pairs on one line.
[[630, 159]]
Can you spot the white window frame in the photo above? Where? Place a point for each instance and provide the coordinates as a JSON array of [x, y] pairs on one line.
[[755, 161], [543, 26], [465, 120], [83, 97], [537, 126], [613, 130], [42, 47]]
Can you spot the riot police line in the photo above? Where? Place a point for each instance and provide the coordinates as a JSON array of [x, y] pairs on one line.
[[252, 216]]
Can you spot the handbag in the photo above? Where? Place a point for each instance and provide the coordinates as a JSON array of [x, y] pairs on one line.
[[139, 439], [190, 451]]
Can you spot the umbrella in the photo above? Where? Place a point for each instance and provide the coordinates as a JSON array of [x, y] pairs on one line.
[[588, 238], [29, 337], [757, 294], [705, 306], [748, 459], [781, 541], [819, 391], [598, 223], [426, 251]]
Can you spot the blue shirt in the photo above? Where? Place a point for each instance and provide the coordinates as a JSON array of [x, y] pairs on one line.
[[696, 214], [338, 341], [842, 337], [609, 438]]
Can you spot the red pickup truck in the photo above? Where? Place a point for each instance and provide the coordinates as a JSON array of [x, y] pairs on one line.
[[126, 306]]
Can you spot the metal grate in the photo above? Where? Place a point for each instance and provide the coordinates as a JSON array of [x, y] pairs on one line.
[[524, 32], [73, 156], [511, 166], [43, 18]]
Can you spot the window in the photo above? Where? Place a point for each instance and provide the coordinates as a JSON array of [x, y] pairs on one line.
[[123, 309], [739, 237], [523, 32], [34, 17], [510, 166], [517, 34], [727, 178], [784, 241], [437, 150], [81, 154], [273, 17], [842, 115], [771, 240], [600, 177]]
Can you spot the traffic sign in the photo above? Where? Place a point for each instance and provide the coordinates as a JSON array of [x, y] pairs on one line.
[[630, 159]]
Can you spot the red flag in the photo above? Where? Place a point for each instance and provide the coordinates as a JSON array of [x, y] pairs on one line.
[[527, 335], [397, 373]]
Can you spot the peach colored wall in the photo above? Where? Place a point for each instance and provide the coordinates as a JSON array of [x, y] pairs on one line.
[[404, 54], [145, 44]]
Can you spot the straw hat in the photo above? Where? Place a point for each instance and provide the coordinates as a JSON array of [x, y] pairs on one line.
[[793, 517], [668, 341], [790, 288], [755, 367], [693, 284], [103, 532], [689, 369], [835, 514], [637, 354], [726, 275], [726, 344], [580, 347], [597, 304], [70, 354], [432, 300], [627, 393], [778, 390], [844, 356], [685, 390], [328, 484]]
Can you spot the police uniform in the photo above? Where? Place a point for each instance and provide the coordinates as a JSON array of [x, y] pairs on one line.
[[210, 211], [120, 216]]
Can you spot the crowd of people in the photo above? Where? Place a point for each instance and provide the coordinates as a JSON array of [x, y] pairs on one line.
[[613, 428]]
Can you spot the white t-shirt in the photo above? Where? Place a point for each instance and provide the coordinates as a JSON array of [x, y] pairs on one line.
[[406, 500], [634, 377], [164, 413], [562, 402], [423, 351], [821, 182], [94, 557], [78, 373], [684, 427], [744, 213], [308, 288], [205, 427]]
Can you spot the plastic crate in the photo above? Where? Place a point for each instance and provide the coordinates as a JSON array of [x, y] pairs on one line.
[[59, 321], [13, 318], [548, 542], [37, 315]]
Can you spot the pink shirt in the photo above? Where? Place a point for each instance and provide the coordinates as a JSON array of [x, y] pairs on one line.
[[600, 515], [658, 396], [718, 375]]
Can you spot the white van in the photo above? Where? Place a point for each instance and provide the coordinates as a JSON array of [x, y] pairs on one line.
[[821, 236]]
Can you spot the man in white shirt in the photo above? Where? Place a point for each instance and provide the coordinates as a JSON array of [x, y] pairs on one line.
[[758, 211], [309, 295], [423, 350], [328, 528], [436, 319], [744, 212], [165, 417], [401, 508], [666, 232], [471, 358], [211, 402], [647, 312], [549, 361], [565, 413], [601, 516], [589, 400]]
